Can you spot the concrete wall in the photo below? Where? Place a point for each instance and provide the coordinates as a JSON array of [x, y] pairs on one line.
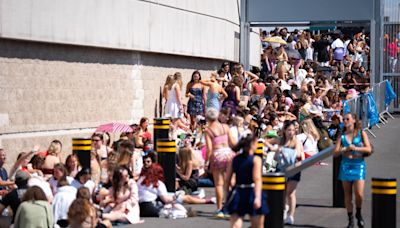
[[48, 87], [201, 28]]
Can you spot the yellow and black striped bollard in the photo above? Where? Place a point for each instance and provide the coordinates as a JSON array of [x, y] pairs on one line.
[[274, 185], [384, 192], [166, 150], [82, 147], [260, 149], [161, 129]]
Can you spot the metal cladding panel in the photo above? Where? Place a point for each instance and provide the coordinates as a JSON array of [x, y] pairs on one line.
[[309, 10]]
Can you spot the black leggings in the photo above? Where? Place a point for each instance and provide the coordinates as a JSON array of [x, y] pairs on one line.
[[149, 209]]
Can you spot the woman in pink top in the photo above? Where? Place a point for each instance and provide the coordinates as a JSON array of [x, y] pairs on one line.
[[219, 154]]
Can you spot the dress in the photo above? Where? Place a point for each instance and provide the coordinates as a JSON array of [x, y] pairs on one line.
[[196, 105], [212, 100], [172, 106], [231, 102], [241, 199], [352, 169]]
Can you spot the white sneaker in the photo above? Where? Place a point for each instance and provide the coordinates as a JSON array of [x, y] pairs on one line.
[[289, 220], [285, 211], [200, 193]]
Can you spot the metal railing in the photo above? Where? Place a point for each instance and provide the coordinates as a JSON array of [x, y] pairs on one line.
[[360, 105]]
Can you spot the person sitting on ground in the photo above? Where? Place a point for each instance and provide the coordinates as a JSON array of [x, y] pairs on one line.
[[72, 165], [62, 201], [82, 213], [4, 181], [52, 158], [122, 204], [151, 187], [59, 173], [14, 198], [187, 170], [34, 210], [83, 178]]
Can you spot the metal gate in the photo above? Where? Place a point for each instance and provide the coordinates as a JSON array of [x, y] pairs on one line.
[[391, 47]]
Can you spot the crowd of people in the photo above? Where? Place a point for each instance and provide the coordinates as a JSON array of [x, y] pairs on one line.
[[293, 104]]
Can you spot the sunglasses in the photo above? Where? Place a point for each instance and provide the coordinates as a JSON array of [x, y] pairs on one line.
[[96, 140]]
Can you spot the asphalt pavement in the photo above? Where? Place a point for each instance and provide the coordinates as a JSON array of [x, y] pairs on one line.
[[314, 193]]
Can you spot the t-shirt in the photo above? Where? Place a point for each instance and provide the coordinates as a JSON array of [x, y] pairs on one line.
[[53, 183], [150, 193], [309, 144], [338, 43], [3, 176], [13, 200], [89, 184]]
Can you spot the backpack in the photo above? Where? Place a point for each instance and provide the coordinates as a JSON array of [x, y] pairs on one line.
[[324, 141]]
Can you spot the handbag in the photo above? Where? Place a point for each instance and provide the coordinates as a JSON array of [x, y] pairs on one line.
[[324, 142]]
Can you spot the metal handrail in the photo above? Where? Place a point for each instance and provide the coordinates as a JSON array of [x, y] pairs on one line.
[[301, 165]]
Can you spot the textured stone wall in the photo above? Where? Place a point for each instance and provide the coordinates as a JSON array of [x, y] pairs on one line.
[[56, 87]]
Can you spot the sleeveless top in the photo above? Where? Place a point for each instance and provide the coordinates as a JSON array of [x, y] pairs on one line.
[[212, 100], [243, 167], [220, 139], [358, 142]]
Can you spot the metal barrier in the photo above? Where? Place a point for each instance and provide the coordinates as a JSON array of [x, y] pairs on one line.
[[360, 104]]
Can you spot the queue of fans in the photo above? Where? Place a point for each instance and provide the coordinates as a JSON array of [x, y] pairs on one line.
[[293, 103]]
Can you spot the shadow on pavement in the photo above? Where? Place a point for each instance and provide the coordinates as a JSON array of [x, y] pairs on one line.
[[313, 205]]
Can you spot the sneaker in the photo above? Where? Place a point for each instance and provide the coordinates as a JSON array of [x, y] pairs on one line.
[[289, 220], [285, 211], [201, 194], [219, 214]]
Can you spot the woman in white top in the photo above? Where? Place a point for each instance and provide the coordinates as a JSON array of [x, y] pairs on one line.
[[151, 187], [83, 178], [309, 138], [174, 105]]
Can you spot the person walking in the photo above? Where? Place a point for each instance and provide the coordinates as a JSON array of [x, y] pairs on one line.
[[219, 154], [246, 196], [353, 145]]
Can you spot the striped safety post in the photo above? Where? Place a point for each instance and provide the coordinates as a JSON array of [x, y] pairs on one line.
[[274, 185], [82, 147], [384, 192], [260, 149], [166, 151], [161, 129]]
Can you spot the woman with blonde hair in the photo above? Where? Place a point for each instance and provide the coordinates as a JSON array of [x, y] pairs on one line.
[[215, 92], [52, 158], [174, 105], [309, 138], [187, 170], [167, 86]]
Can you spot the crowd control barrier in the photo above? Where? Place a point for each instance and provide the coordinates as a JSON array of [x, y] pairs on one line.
[[370, 107]]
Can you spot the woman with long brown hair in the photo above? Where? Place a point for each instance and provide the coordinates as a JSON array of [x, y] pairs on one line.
[[197, 97], [289, 151], [122, 204], [353, 145]]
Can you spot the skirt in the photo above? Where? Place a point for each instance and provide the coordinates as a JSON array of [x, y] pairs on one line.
[[240, 202], [352, 171], [220, 158]]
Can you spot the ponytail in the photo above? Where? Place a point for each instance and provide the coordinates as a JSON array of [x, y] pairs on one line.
[[244, 145]]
